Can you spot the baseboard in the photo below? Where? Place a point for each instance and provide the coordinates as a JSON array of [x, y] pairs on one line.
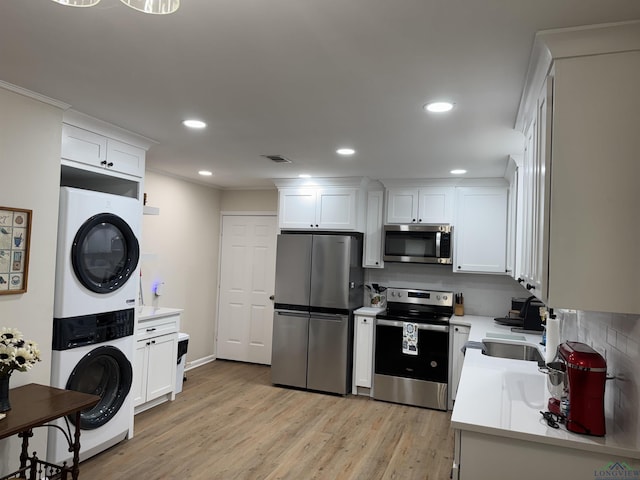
[[199, 362]]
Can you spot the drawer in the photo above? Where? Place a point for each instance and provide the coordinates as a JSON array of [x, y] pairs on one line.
[[160, 326]]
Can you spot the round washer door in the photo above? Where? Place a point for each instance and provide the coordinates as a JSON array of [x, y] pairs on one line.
[[105, 252], [105, 372]]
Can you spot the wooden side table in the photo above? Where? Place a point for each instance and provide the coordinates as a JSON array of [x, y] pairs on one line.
[[34, 406]]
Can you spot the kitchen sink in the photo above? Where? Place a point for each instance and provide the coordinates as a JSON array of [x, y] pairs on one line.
[[514, 351]]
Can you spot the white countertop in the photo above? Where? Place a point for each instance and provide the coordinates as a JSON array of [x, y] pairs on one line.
[[369, 311], [149, 312], [504, 397]]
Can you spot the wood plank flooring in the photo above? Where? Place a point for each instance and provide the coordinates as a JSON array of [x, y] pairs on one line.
[[231, 423]]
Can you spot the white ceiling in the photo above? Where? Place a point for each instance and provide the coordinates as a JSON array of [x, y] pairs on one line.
[[298, 78]]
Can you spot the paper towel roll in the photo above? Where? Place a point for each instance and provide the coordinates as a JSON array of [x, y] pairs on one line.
[[553, 338]]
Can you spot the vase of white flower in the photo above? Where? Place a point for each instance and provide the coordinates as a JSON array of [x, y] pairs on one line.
[[15, 354]]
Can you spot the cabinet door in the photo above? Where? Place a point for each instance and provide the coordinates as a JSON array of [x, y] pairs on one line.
[[481, 231], [125, 158], [140, 367], [364, 351], [402, 205], [460, 337], [297, 209], [373, 231], [162, 365], [336, 209], [435, 205], [83, 146]]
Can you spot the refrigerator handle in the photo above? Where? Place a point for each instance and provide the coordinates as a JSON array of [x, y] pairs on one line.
[[329, 317], [292, 314]]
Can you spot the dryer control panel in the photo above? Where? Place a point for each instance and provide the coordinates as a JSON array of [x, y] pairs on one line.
[[92, 329]]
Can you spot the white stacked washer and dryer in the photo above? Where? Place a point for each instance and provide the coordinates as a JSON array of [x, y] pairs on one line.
[[94, 315]]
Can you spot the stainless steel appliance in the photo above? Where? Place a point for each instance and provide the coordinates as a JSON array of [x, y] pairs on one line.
[[424, 243], [418, 378], [319, 282]]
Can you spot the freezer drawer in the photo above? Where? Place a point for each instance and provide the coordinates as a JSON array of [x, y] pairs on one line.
[[289, 348], [329, 359]]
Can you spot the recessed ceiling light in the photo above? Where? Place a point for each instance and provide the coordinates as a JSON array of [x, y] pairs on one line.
[[345, 151], [304, 175], [205, 173], [194, 123], [458, 171], [438, 107]]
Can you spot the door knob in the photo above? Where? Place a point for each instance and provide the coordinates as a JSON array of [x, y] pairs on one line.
[[272, 297]]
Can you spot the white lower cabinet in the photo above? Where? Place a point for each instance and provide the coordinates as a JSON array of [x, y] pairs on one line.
[[459, 337], [482, 456], [155, 362], [363, 352]]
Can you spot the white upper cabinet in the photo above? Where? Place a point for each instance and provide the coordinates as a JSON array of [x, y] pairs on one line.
[[580, 224], [420, 205], [325, 208], [87, 150], [372, 253], [480, 229]]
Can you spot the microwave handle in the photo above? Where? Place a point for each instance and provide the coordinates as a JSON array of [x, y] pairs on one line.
[[438, 237]]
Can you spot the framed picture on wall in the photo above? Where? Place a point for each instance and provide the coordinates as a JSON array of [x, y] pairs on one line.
[[15, 236]]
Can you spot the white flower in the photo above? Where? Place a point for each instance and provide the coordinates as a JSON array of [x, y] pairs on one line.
[[15, 352], [10, 335], [7, 354], [23, 359]]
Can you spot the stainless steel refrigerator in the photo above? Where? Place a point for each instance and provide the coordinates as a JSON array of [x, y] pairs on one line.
[[319, 282]]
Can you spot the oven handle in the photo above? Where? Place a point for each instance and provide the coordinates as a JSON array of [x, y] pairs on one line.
[[421, 326]]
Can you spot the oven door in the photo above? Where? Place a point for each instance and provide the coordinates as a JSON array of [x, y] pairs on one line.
[[430, 364]]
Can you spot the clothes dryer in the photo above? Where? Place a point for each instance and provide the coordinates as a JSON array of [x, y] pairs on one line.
[[93, 354], [98, 252]]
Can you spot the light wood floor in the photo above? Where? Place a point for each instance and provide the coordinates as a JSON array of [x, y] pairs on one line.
[[231, 423]]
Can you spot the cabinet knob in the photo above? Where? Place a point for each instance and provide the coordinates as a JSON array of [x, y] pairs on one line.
[[377, 263], [419, 220], [148, 343], [104, 162], [520, 280], [456, 329], [364, 320], [413, 219], [459, 267], [151, 329], [110, 164], [316, 225], [311, 225], [153, 341], [530, 287]]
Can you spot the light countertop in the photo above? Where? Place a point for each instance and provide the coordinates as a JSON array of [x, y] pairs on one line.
[[369, 311], [504, 397], [149, 312]]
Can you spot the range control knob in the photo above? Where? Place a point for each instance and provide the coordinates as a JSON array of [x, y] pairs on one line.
[[438, 297], [445, 297], [399, 294]]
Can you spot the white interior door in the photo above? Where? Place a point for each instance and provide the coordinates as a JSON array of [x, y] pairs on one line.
[[247, 281]]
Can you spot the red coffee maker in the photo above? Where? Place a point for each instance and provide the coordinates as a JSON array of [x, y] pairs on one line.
[[586, 374]]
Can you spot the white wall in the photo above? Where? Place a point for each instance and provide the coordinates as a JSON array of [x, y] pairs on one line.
[[30, 133], [249, 200], [180, 248], [617, 338], [488, 295]]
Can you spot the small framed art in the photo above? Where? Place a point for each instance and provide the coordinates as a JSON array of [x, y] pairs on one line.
[[15, 236]]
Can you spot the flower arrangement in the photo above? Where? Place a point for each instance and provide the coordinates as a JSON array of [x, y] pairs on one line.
[[15, 352]]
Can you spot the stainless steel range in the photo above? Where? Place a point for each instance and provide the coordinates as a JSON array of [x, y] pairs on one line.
[[412, 348]]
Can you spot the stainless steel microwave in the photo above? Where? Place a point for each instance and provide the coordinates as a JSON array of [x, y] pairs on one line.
[[424, 243]]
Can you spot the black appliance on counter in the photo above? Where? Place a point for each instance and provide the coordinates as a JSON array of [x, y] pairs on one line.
[[420, 378]]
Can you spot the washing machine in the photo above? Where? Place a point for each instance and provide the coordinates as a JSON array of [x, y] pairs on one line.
[[98, 252], [92, 354]]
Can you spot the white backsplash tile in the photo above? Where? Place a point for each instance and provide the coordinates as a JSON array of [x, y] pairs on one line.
[[617, 338]]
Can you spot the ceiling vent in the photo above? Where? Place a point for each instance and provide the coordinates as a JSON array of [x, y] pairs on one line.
[[277, 158]]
